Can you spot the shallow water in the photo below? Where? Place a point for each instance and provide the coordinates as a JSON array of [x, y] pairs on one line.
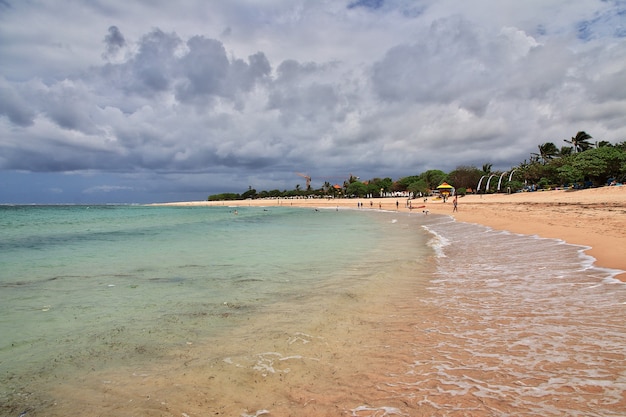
[[198, 311], [528, 327]]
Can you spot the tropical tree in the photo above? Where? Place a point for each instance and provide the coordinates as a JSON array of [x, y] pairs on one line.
[[418, 187], [224, 196], [251, 193], [568, 174], [373, 188], [487, 168], [465, 177], [403, 183], [377, 184], [580, 142], [566, 150], [531, 171], [356, 188], [600, 164], [433, 178], [547, 151]]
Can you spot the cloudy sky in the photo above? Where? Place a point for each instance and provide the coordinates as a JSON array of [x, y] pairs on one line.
[[148, 101]]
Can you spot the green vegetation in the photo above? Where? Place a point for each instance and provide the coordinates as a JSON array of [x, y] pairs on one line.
[[580, 165], [224, 196]]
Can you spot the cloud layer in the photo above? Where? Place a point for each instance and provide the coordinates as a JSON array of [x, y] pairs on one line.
[[178, 100]]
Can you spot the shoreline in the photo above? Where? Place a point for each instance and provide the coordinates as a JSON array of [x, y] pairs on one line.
[[593, 218]]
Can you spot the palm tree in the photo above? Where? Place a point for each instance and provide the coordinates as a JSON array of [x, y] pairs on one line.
[[580, 142], [547, 151], [487, 168]]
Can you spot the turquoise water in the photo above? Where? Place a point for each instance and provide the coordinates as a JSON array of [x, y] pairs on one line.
[[92, 287], [74, 268], [170, 311]]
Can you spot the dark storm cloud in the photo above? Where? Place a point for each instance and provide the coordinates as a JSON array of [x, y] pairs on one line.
[[207, 72], [70, 106], [114, 41], [302, 93], [147, 72], [205, 69], [450, 60], [152, 67], [368, 4], [291, 70], [55, 156], [14, 107]]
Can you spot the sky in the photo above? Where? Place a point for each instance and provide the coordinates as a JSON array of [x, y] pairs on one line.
[[137, 101]]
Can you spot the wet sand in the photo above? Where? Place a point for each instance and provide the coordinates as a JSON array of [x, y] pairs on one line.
[[594, 217]]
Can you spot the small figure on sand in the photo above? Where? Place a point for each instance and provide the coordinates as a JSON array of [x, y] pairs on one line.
[[454, 204]]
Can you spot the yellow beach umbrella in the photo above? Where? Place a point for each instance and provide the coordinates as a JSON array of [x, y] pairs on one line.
[[445, 188]]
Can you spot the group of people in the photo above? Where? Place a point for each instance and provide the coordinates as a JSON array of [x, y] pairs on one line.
[[409, 205], [380, 206]]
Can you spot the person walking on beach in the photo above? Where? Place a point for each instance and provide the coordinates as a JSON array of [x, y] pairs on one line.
[[454, 204]]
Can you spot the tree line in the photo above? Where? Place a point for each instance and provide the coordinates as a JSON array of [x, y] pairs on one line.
[[579, 163]]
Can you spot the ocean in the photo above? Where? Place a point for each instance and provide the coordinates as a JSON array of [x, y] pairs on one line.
[[279, 311]]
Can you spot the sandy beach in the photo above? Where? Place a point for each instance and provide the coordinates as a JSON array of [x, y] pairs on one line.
[[593, 217]]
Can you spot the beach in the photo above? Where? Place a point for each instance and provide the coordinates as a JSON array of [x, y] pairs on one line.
[[593, 217], [314, 307]]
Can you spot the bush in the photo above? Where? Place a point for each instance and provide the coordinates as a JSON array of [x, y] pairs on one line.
[[544, 183], [225, 196]]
